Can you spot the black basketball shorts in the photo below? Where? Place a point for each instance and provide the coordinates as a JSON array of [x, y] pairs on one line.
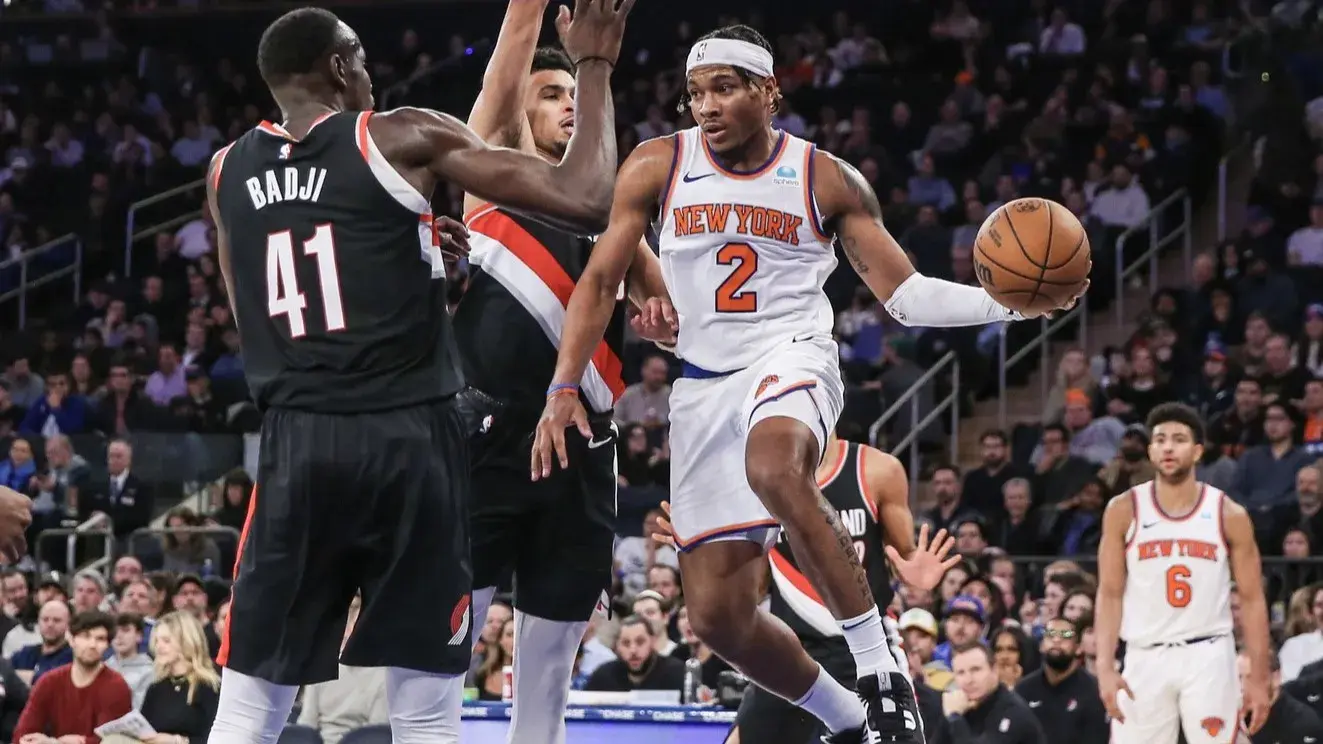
[[372, 502], [556, 535]]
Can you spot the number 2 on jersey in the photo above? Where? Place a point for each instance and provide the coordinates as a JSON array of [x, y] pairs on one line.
[[1178, 585], [282, 283], [731, 295]]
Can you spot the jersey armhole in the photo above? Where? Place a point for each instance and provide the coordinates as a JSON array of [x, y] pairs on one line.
[[672, 178], [861, 469], [1222, 521], [810, 194], [1132, 531], [217, 162]]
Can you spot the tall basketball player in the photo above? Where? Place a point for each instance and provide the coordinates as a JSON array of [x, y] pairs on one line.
[[1170, 550], [746, 215], [327, 246], [507, 330], [870, 490]]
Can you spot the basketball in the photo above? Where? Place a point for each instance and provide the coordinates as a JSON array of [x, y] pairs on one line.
[[1032, 255]]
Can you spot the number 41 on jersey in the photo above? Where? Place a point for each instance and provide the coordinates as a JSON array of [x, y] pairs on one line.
[[282, 282]]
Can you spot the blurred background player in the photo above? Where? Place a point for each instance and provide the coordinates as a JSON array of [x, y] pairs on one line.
[[1170, 549], [363, 475], [522, 272], [746, 215], [869, 489]]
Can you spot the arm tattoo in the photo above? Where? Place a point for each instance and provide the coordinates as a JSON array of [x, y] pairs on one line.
[[862, 198]]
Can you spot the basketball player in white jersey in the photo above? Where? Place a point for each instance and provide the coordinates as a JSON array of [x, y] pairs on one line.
[[1170, 551], [746, 216]]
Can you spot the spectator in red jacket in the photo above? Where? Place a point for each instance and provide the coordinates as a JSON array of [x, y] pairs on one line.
[[69, 703]]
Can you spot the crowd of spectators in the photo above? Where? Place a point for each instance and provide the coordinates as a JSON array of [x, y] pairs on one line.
[[948, 109]]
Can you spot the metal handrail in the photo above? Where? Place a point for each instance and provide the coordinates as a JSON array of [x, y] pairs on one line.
[[130, 235], [910, 396], [1152, 221], [71, 535], [26, 283], [1050, 326]]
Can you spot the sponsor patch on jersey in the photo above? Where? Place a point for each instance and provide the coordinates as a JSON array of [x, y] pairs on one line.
[[786, 176], [767, 382], [1213, 725]]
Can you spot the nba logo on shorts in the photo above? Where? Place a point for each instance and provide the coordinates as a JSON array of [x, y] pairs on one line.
[[786, 176], [1212, 725], [459, 621], [767, 382]]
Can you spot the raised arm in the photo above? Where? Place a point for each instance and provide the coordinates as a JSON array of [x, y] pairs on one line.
[[1247, 571], [575, 193], [1117, 522], [498, 114], [852, 212]]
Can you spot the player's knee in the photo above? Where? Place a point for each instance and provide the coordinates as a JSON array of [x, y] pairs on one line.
[[720, 619]]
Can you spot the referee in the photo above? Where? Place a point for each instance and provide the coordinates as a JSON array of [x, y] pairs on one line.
[[1062, 693]]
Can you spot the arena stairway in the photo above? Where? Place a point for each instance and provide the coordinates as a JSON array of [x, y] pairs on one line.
[[1024, 404]]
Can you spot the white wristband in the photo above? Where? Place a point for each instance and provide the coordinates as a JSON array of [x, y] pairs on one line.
[[935, 303]]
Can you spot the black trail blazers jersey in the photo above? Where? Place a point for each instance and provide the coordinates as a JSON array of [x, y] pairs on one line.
[[794, 600], [511, 319], [339, 289]]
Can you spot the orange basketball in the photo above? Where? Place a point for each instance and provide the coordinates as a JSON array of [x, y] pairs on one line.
[[1032, 255]]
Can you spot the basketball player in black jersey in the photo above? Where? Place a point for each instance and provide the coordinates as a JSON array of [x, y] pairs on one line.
[[328, 249], [870, 490], [554, 535]]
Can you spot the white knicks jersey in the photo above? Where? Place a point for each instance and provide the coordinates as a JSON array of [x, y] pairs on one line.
[[743, 254], [1178, 572]]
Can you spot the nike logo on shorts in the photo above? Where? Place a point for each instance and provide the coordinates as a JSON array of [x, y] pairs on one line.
[[595, 443]]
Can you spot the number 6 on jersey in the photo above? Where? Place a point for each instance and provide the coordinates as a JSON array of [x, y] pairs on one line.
[[282, 283]]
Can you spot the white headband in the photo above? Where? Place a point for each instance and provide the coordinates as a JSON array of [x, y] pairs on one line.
[[741, 54]]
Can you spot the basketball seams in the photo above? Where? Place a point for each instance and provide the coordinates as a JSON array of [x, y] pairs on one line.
[[1024, 252], [1048, 282]]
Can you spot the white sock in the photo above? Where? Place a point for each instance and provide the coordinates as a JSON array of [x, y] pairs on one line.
[[839, 709], [251, 710], [481, 602], [867, 639], [543, 665], [424, 708]]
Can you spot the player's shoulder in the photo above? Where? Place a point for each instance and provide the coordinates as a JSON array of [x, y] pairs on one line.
[[658, 150], [877, 461], [1124, 505]]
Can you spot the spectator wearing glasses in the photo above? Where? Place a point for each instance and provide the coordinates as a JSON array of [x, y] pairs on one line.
[[1062, 694], [1265, 475]]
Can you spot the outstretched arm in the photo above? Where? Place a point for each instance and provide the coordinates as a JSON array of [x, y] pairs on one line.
[[498, 114], [889, 490], [642, 179], [852, 211], [574, 194]]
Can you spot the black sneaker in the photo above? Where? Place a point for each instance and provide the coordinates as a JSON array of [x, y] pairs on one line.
[[892, 712]]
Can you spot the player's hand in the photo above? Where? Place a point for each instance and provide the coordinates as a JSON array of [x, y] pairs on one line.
[[561, 412], [665, 534], [656, 321], [929, 563], [1064, 307], [594, 29], [1256, 704], [15, 517], [1110, 685], [453, 237]]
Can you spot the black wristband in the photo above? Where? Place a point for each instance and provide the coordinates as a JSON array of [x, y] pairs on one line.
[[610, 62]]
